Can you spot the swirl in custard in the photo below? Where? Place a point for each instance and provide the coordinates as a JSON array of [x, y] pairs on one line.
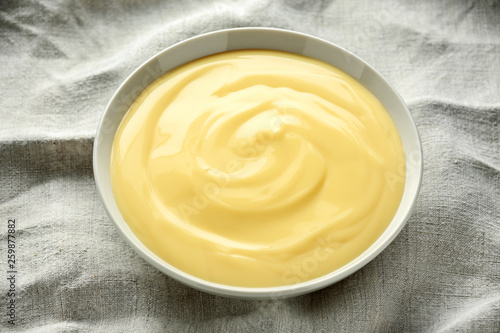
[[257, 168]]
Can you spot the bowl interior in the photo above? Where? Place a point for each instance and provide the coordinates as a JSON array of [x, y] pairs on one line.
[[257, 38]]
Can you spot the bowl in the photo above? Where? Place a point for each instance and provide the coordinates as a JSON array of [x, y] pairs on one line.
[[257, 38]]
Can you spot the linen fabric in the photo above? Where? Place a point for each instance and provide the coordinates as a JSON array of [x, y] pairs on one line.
[[61, 61]]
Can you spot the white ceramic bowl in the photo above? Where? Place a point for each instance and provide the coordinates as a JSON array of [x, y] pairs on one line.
[[257, 38]]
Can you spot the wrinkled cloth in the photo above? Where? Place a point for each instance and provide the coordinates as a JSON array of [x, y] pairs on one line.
[[61, 61]]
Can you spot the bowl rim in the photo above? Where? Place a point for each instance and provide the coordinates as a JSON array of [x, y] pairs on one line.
[[261, 292]]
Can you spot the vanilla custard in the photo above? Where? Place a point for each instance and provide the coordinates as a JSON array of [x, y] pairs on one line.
[[257, 168]]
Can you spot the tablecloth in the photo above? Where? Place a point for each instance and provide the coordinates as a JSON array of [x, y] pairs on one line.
[[61, 61]]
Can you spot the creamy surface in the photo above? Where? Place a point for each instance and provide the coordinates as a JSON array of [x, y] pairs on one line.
[[257, 168]]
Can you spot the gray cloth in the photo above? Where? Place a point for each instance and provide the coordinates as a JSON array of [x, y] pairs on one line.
[[61, 61]]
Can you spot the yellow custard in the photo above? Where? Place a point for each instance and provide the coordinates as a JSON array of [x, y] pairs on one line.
[[257, 168]]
